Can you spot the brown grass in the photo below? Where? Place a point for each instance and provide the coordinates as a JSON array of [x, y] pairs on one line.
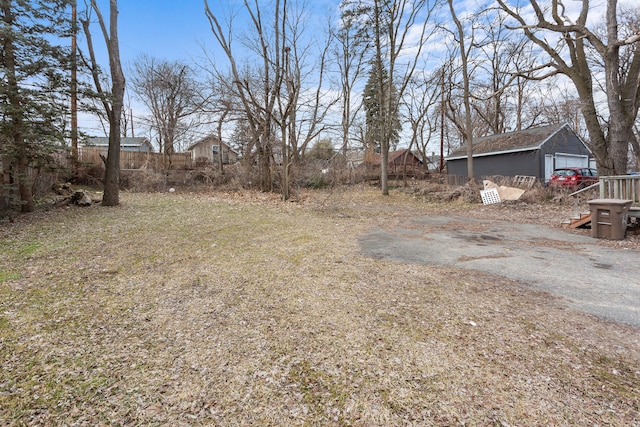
[[240, 309]]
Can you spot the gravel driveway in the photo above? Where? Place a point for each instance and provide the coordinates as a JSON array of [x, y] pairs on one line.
[[601, 281]]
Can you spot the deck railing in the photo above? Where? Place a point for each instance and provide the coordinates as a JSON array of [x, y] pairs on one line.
[[623, 187]]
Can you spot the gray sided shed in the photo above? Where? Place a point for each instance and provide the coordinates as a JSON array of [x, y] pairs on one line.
[[532, 152]]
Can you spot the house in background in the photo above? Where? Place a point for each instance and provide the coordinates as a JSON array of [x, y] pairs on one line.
[[140, 144], [532, 152], [207, 151], [399, 162]]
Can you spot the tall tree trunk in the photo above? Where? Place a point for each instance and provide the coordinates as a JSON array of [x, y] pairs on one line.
[[111, 195], [24, 183], [623, 109], [635, 145], [74, 87], [384, 112], [609, 140], [220, 154], [464, 57], [20, 164]]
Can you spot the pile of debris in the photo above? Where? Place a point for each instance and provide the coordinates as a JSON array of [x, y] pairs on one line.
[[69, 196], [494, 193]]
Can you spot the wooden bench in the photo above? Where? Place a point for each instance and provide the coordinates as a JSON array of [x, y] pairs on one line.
[[622, 187]]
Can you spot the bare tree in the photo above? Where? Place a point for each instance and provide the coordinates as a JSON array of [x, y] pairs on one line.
[[349, 53], [464, 51], [171, 93], [488, 66], [570, 56], [499, 90], [421, 101], [258, 101], [271, 91], [398, 30], [522, 60], [301, 112], [112, 101], [222, 109], [313, 103], [126, 124], [563, 107]]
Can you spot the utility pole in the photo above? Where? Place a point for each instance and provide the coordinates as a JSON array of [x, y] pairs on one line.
[[442, 117], [74, 87]]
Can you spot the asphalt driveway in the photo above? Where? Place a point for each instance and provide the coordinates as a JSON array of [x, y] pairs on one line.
[[597, 280]]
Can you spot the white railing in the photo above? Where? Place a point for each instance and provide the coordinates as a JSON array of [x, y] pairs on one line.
[[622, 187]]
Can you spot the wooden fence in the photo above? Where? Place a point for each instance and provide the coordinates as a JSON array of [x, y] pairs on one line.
[[138, 159], [624, 187]]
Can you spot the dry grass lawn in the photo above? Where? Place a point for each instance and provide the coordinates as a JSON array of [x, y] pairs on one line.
[[198, 309]]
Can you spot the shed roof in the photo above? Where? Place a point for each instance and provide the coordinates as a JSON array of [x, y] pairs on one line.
[[524, 140], [377, 158]]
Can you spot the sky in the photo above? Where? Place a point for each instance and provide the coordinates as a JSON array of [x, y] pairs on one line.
[[172, 29], [164, 29], [180, 30]]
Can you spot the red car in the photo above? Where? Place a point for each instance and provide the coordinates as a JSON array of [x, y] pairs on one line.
[[573, 177]]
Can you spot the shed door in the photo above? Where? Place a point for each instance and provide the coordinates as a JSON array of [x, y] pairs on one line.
[[571, 161], [548, 167]]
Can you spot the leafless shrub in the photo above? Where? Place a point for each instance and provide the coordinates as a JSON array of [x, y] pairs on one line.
[[316, 174], [537, 194], [234, 177], [43, 181], [438, 189], [90, 174], [142, 180], [202, 162], [328, 173], [239, 176]]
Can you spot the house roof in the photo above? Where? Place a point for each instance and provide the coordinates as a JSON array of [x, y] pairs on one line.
[[524, 140], [376, 159], [102, 141], [211, 139]]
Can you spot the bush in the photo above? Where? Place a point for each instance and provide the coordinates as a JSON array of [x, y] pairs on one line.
[[90, 174], [142, 180]]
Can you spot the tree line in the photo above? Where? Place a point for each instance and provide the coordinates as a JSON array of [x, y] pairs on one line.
[[430, 74], [37, 81]]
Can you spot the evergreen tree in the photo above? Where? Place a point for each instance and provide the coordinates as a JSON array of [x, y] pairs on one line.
[[322, 150], [240, 139], [375, 116], [392, 29], [33, 87]]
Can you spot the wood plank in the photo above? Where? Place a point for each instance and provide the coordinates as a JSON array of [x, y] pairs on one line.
[[584, 219], [524, 181]]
